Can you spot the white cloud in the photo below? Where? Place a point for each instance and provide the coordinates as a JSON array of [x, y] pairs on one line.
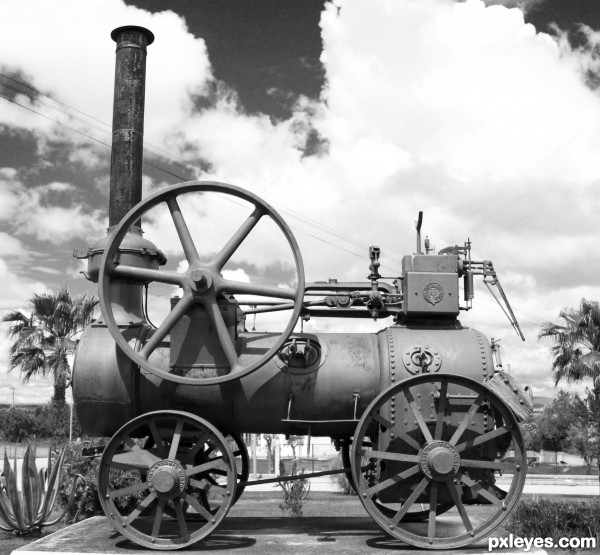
[[458, 109]]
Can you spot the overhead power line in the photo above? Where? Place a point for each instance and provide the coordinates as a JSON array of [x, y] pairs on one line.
[[36, 97]]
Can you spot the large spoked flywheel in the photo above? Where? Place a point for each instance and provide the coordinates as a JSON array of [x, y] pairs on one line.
[[202, 284], [437, 442], [167, 479]]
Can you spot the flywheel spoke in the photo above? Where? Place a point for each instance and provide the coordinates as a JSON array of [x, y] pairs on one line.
[[236, 240], [214, 313], [147, 274], [189, 248], [172, 318]]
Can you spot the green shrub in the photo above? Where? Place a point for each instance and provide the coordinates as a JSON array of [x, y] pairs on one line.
[[547, 518]]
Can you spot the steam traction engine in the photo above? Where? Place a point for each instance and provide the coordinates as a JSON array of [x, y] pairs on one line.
[[421, 410]]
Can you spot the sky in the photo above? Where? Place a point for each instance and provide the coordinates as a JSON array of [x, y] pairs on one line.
[[349, 117]]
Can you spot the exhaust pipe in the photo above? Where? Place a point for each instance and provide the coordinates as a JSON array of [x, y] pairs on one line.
[[128, 120], [126, 171]]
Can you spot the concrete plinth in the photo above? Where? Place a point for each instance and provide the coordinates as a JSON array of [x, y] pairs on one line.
[[249, 536]]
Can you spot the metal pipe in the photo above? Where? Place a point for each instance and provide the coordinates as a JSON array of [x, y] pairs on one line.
[[128, 120]]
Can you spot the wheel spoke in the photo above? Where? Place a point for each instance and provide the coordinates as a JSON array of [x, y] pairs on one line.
[[439, 425], [204, 467], [223, 333], [134, 459], [455, 494], [508, 467], [135, 488], [482, 439], [200, 443], [147, 274], [399, 434], [185, 237], [393, 480], [465, 421], [158, 518], [202, 511], [213, 488], [176, 439], [432, 509], [236, 240], [141, 506], [239, 287], [479, 489], [181, 520], [172, 318], [157, 439], [418, 416], [409, 502], [390, 456]]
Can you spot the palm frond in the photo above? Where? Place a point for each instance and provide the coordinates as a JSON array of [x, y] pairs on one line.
[[41, 343]]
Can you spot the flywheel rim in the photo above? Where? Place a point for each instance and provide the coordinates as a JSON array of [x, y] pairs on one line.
[[202, 286]]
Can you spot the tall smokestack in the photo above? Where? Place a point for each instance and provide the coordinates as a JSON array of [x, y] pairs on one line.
[[128, 120]]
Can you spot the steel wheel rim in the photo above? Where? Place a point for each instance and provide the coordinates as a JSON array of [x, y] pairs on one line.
[[166, 477], [413, 472], [242, 464]]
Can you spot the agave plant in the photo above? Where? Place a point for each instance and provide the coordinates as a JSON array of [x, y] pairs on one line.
[[29, 510]]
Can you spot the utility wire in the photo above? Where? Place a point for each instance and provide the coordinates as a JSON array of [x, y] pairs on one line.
[[67, 110]]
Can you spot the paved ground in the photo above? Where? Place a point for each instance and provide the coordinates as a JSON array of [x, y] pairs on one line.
[[251, 536]]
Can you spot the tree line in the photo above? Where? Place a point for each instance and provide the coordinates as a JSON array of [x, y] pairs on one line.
[[44, 340]]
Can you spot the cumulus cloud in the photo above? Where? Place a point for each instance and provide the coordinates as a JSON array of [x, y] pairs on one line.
[[458, 109]]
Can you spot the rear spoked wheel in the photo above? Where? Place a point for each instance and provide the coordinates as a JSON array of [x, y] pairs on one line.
[[167, 479], [432, 445]]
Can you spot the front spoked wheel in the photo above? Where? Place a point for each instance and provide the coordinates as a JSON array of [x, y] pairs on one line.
[[167, 479], [436, 441]]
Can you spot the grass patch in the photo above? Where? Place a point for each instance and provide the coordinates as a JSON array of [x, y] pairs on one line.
[[555, 518]]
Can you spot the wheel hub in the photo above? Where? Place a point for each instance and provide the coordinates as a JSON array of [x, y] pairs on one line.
[[439, 460], [167, 479], [200, 280]]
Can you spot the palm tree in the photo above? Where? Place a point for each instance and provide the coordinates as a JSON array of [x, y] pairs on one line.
[[576, 351], [44, 340]]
